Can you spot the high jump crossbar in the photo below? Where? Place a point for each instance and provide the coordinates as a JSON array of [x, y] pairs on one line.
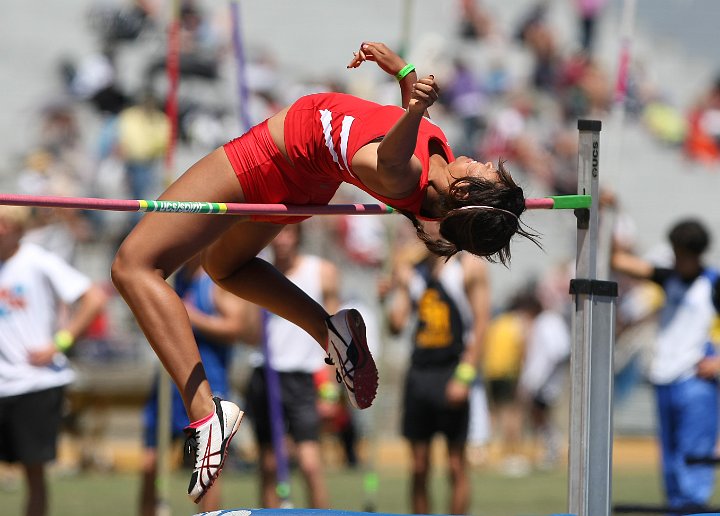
[[557, 202]]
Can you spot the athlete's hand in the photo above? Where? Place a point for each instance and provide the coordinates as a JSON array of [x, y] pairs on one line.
[[456, 392], [425, 93], [709, 367], [192, 311], [387, 60], [42, 357]]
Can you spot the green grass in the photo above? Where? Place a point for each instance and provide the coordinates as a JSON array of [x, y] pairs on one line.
[[109, 494]]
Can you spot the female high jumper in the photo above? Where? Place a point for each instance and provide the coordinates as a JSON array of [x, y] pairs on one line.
[[301, 155]]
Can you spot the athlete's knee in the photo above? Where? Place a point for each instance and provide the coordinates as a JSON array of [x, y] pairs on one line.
[[420, 470], [456, 471], [211, 268], [121, 269], [129, 264], [311, 466], [216, 274], [268, 464]]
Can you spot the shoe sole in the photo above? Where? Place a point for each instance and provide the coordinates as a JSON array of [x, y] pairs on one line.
[[236, 426], [366, 373]]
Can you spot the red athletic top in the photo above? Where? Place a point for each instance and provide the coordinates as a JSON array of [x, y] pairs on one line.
[[323, 131]]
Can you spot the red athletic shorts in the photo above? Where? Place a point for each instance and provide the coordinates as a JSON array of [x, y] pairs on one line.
[[266, 177]]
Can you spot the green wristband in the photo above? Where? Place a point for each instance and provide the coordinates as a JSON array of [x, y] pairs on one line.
[[404, 71], [63, 340], [465, 373]]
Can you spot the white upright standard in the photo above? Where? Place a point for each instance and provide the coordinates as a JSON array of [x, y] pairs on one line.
[[591, 358]]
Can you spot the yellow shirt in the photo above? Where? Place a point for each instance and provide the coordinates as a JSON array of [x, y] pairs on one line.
[[143, 134], [503, 347]]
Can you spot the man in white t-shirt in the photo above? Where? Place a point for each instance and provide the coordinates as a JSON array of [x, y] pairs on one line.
[[34, 284]]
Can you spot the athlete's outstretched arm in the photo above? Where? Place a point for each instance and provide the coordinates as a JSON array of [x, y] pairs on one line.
[[396, 150], [390, 63]]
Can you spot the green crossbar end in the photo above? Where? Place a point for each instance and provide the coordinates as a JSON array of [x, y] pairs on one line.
[[571, 202]]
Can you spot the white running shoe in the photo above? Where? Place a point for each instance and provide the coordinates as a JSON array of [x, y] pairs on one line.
[[207, 446], [348, 351]]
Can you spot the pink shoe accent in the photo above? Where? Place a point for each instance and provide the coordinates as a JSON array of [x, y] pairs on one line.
[[201, 422]]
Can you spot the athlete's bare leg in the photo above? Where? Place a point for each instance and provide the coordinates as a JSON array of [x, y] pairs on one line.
[[419, 493], [161, 243], [459, 479], [231, 262], [311, 465]]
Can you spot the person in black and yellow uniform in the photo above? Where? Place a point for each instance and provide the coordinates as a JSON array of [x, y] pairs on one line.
[[450, 300]]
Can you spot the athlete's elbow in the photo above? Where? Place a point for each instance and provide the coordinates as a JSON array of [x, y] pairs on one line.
[[393, 174], [388, 164]]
